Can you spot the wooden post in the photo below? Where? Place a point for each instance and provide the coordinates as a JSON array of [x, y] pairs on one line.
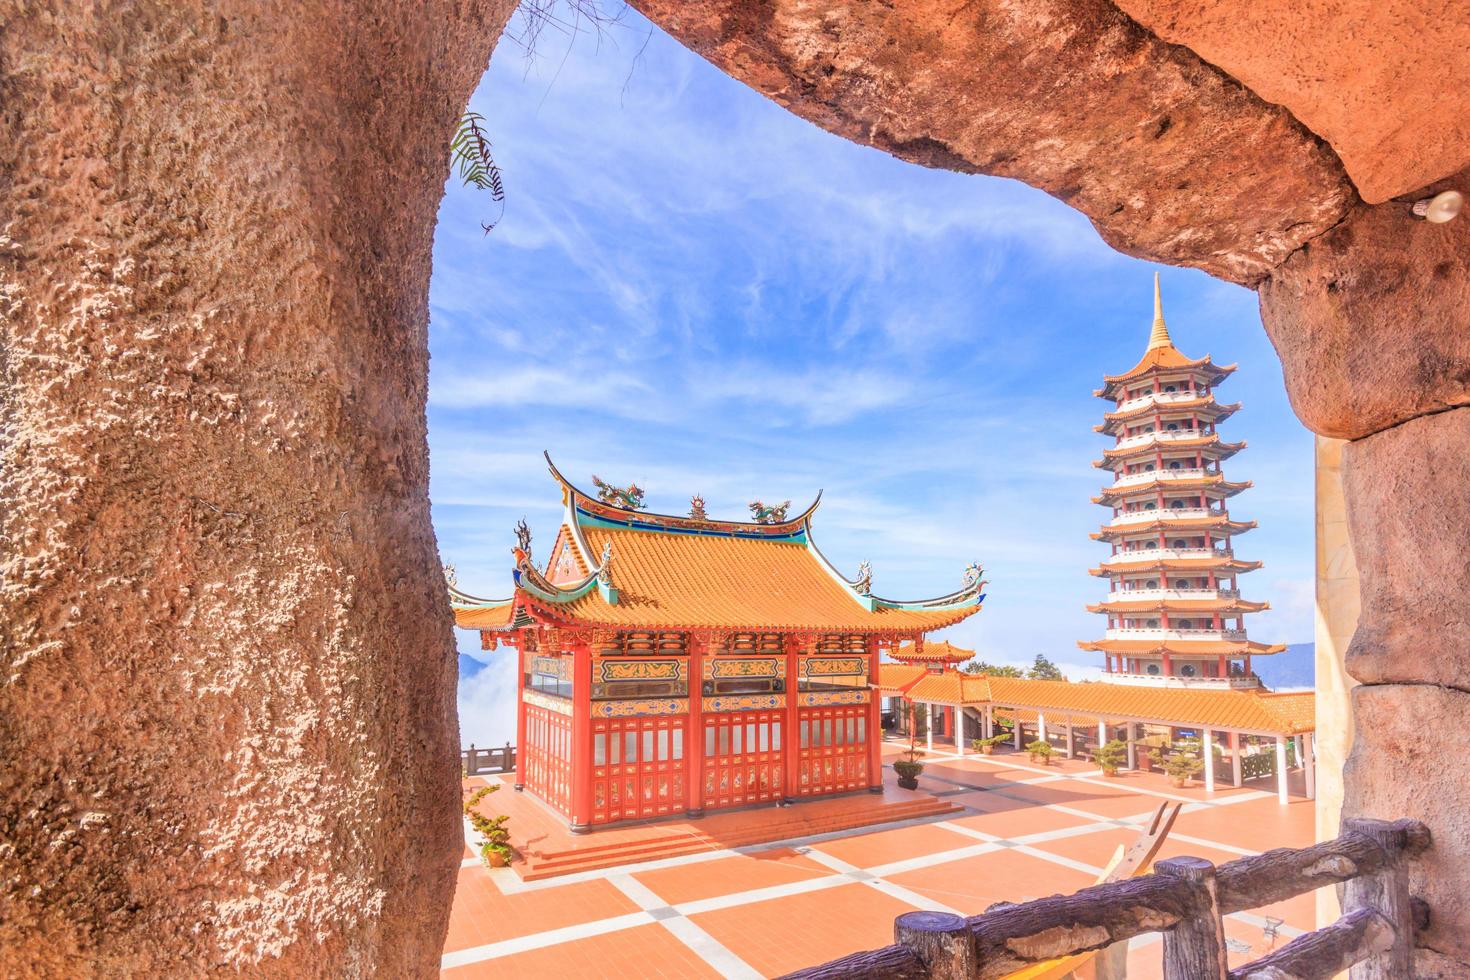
[[875, 724], [694, 725], [1195, 948], [942, 942], [791, 738], [581, 761], [1387, 892], [521, 665]]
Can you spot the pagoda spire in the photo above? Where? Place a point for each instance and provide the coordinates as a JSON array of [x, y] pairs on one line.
[[1159, 335]]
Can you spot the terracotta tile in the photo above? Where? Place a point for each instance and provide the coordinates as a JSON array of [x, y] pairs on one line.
[[707, 879], [886, 846], [643, 951], [482, 914], [974, 884], [787, 934]]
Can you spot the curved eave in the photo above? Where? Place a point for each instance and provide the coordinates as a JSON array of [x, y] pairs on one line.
[[1202, 405], [485, 616], [1182, 648], [1217, 483], [969, 596], [1152, 365], [1114, 532], [1188, 606], [1176, 565], [1210, 443], [583, 504]]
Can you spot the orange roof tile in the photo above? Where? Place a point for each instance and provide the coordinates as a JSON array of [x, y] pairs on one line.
[[668, 572], [896, 678], [933, 653], [1221, 564], [483, 617], [1183, 647], [1249, 711], [1117, 604]]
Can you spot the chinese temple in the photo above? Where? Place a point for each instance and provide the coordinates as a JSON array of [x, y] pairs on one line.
[[673, 665], [1174, 612]]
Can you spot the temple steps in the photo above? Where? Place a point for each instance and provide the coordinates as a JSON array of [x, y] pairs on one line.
[[726, 831]]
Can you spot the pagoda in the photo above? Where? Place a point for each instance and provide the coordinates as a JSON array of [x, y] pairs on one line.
[[672, 665], [1174, 612]]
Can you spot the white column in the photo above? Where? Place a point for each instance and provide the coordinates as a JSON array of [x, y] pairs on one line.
[[1102, 732], [1016, 718], [1309, 764], [989, 727], [1235, 759], [1040, 727], [1071, 742], [1209, 752], [1281, 769], [1132, 749], [959, 730], [929, 724]]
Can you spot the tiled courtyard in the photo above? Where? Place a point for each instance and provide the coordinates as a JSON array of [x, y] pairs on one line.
[[1027, 831]]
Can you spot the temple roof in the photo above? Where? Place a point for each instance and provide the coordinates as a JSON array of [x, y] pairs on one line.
[[1248, 711], [1182, 648], [941, 652], [1210, 481], [1162, 356], [1120, 605], [1164, 522], [655, 571], [1221, 564], [1203, 407], [1210, 442]]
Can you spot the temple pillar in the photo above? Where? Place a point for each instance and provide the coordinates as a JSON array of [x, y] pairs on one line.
[[1102, 732], [791, 746], [1235, 774], [581, 820], [1132, 748], [1071, 740], [1281, 796], [694, 739], [929, 724], [875, 724], [1040, 727], [1016, 732], [520, 776], [1208, 747], [1309, 764]]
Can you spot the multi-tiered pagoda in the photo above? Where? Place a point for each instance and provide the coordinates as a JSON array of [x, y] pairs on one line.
[[1175, 615]]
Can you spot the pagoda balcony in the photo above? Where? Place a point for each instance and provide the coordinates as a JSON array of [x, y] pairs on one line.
[[1192, 683], [1146, 595], [1149, 476], [1156, 554], [1144, 438], [1136, 516], [1158, 398], [1159, 633]]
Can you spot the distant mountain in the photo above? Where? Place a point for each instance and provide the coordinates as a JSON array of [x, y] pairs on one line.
[[1296, 667], [469, 667]]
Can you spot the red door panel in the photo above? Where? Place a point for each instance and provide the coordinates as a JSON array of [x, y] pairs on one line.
[[833, 750], [637, 767], [742, 758]]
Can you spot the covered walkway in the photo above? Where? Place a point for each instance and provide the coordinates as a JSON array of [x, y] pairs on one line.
[[1251, 732]]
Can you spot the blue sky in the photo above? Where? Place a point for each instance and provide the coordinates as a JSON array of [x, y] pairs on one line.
[[695, 290]]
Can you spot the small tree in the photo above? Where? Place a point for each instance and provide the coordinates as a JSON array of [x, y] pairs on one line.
[[1040, 751], [1043, 669], [1181, 766], [1109, 757], [994, 670]]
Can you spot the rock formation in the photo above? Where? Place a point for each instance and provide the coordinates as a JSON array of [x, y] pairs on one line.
[[227, 679]]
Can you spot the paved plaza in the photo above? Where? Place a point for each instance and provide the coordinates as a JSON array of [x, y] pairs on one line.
[[1026, 831]]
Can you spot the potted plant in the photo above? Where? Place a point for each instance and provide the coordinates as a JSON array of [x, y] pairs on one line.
[[496, 850], [1040, 751], [909, 767], [986, 746], [1181, 766], [1109, 757]]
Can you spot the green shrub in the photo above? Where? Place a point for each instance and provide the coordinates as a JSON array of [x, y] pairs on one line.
[[491, 829], [908, 768], [1039, 750], [1109, 757], [1181, 765]]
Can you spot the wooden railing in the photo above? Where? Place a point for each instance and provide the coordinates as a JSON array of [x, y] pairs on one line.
[[478, 762], [1185, 899]]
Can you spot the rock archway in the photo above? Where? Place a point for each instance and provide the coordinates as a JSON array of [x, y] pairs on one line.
[[227, 688]]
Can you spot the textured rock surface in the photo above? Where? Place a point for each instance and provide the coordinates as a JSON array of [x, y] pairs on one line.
[[1408, 508], [1372, 320], [1386, 84], [1407, 762], [1170, 158], [227, 677]]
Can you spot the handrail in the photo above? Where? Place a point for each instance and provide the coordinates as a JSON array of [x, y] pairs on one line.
[[1185, 898], [476, 762]]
